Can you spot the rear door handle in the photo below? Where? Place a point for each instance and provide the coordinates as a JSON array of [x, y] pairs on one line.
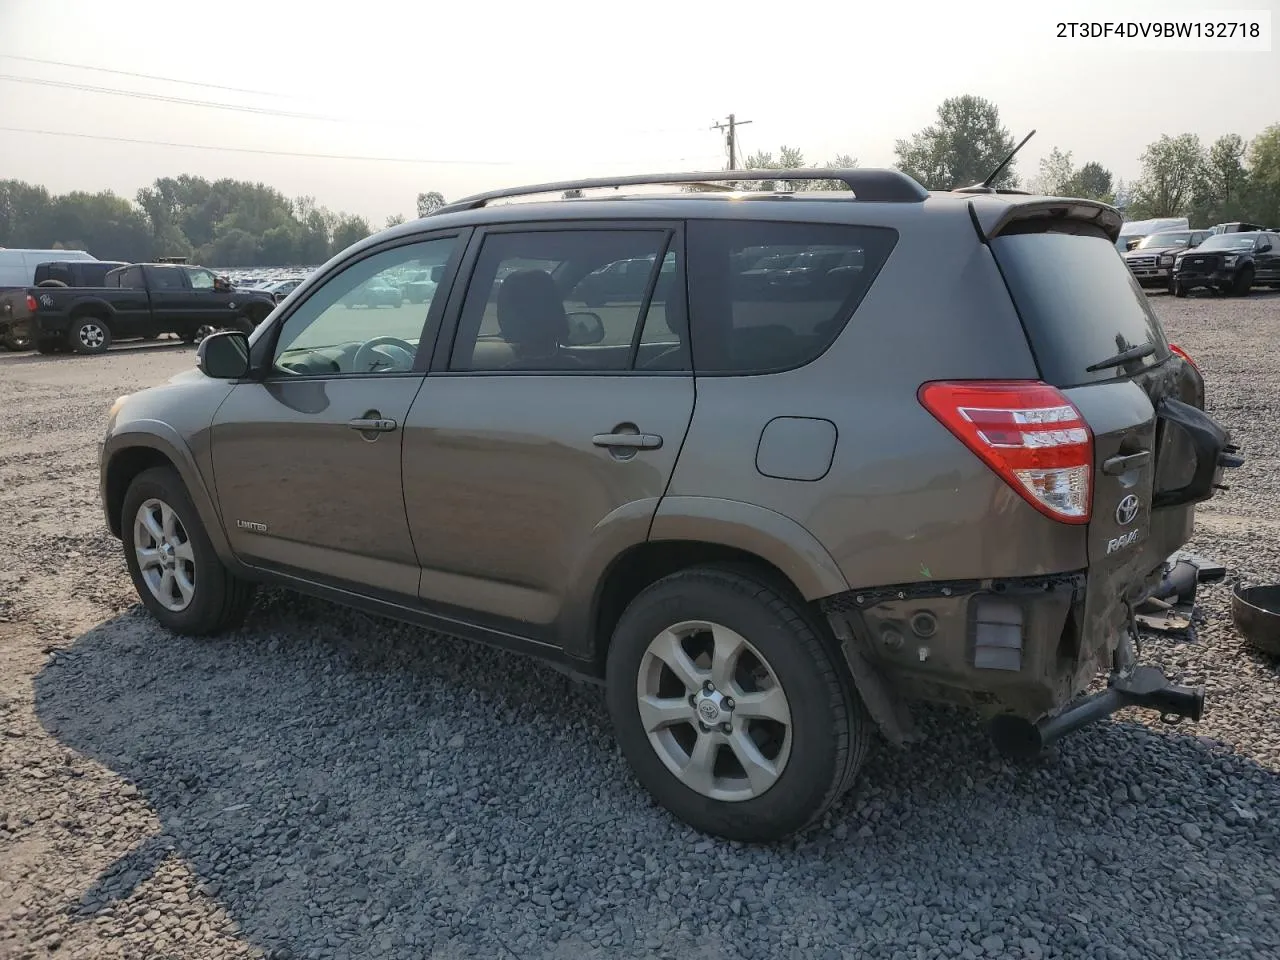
[[1115, 466], [372, 425], [637, 441]]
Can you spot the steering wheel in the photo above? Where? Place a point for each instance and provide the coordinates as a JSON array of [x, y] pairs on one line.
[[370, 359]]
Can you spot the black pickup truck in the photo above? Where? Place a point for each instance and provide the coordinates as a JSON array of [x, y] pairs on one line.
[[135, 300]]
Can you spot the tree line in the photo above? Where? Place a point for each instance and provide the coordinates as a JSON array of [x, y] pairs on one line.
[[224, 223], [1229, 179], [235, 223]]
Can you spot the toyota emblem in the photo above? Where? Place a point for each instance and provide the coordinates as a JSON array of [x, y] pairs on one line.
[[1127, 510]]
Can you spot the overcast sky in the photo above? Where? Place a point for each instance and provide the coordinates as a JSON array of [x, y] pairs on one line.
[[517, 92]]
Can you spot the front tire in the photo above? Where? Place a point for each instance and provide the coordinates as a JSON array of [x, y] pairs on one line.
[[733, 711], [89, 335], [178, 575], [1243, 282]]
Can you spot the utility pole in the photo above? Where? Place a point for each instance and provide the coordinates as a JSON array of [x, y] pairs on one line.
[[731, 138]]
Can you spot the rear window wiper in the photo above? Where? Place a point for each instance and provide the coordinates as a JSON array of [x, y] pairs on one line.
[[1123, 357]]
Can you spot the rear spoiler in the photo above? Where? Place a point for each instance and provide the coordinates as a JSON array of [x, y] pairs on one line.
[[993, 219]]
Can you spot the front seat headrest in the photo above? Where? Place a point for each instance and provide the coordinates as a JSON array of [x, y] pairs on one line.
[[531, 310]]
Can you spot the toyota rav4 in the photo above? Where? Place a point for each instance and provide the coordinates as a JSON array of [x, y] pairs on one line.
[[769, 508]]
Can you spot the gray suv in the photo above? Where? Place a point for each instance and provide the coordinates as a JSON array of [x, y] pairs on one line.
[[781, 489]]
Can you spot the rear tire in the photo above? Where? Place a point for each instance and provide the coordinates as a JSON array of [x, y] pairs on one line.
[[200, 595], [89, 335], [798, 768], [1178, 290]]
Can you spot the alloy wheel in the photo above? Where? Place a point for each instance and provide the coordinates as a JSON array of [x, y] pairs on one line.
[[714, 711], [166, 558]]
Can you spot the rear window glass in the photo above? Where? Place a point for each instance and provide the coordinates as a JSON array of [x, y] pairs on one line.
[[774, 296], [55, 271], [1078, 302]]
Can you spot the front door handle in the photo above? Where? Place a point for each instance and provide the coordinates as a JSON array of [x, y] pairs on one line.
[[636, 441], [372, 425]]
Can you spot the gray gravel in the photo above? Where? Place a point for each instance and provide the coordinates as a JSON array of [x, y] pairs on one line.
[[325, 784]]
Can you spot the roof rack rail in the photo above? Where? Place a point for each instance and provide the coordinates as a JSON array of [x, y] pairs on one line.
[[885, 186]]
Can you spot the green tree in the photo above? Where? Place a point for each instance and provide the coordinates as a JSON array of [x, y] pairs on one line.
[[316, 230], [395, 220], [1263, 188], [1093, 181], [966, 143], [1173, 168], [430, 202], [1056, 173], [348, 230], [24, 210]]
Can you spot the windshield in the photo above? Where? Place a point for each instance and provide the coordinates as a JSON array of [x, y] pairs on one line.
[[1165, 240], [1229, 241]]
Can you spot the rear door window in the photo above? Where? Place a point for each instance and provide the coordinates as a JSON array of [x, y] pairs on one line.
[[1078, 302], [766, 297]]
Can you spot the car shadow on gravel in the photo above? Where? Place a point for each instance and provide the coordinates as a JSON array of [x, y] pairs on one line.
[[347, 786]]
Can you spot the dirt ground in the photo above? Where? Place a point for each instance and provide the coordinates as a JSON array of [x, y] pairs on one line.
[[325, 784]]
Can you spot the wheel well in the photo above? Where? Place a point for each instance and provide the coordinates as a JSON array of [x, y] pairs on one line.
[[88, 310], [649, 562], [124, 466]]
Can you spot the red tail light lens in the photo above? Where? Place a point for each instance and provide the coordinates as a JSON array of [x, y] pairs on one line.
[[1028, 433], [32, 306], [1184, 355]]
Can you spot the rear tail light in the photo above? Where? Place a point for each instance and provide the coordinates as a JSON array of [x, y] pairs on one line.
[[32, 306], [1185, 356], [1028, 433]]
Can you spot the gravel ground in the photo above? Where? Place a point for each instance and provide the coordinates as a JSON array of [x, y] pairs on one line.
[[326, 784]]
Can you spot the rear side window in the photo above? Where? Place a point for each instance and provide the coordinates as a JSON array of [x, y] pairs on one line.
[[56, 271], [165, 278], [1078, 301], [766, 297]]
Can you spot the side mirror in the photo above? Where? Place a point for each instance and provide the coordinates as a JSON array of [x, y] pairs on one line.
[[585, 329], [221, 284], [224, 355]]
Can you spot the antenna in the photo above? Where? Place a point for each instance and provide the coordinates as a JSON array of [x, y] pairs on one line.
[[1007, 160]]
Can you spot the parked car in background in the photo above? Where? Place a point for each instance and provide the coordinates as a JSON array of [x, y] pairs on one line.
[[1132, 231], [18, 271], [1229, 263], [887, 490], [625, 280], [1237, 226], [138, 300], [375, 293], [1151, 261], [61, 273], [18, 266], [277, 290], [419, 286]]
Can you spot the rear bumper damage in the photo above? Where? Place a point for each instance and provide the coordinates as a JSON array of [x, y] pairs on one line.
[[1015, 650]]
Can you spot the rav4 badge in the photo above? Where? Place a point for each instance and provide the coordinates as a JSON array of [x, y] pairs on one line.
[[1119, 543], [1126, 510]]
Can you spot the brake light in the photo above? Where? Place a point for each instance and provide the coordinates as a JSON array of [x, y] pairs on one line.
[[1185, 356], [1028, 433], [32, 305]]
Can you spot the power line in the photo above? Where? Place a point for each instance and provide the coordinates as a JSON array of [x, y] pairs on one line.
[[269, 153], [184, 101], [142, 76]]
